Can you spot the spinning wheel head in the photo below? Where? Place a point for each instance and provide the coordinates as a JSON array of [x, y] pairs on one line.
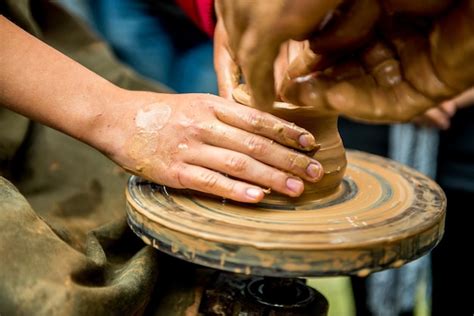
[[382, 215]]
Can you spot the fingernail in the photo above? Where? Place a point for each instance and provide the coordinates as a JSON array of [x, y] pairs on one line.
[[295, 185], [307, 141], [254, 193], [314, 170]]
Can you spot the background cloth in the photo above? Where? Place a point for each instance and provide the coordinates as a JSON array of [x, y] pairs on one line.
[[65, 247], [394, 291]]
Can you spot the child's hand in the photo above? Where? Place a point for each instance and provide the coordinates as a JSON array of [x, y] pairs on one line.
[[195, 140]]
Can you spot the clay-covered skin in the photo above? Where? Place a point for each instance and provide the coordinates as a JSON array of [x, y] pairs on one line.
[[249, 34], [352, 24], [422, 67], [370, 62], [191, 141], [323, 125], [422, 8], [406, 69]]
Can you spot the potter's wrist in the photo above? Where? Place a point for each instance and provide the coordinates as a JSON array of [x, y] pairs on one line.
[[103, 124], [111, 131]]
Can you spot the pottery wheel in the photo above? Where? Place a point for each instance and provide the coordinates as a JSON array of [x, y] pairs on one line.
[[382, 215]]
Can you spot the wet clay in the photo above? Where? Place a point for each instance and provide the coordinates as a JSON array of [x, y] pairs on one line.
[[323, 126]]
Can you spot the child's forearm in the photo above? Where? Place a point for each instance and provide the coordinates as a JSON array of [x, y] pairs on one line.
[[47, 86], [182, 141]]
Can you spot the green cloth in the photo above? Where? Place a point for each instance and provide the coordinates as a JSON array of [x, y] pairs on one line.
[[65, 247]]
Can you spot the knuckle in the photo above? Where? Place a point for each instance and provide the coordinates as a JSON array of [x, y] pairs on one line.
[[208, 104], [297, 162], [276, 180], [181, 176], [237, 164], [231, 189], [199, 101], [292, 161], [208, 180], [194, 129], [202, 129], [255, 119], [256, 146]]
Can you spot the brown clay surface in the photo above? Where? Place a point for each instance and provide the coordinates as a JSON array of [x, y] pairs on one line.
[[322, 124], [382, 215]]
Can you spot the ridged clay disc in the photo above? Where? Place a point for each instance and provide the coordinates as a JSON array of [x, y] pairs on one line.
[[383, 215]]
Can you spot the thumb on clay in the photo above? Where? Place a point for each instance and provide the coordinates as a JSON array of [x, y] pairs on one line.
[[257, 58], [227, 70]]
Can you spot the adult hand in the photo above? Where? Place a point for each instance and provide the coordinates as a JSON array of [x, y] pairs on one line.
[[248, 37], [437, 117], [194, 140], [381, 84], [462, 100], [440, 116]]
